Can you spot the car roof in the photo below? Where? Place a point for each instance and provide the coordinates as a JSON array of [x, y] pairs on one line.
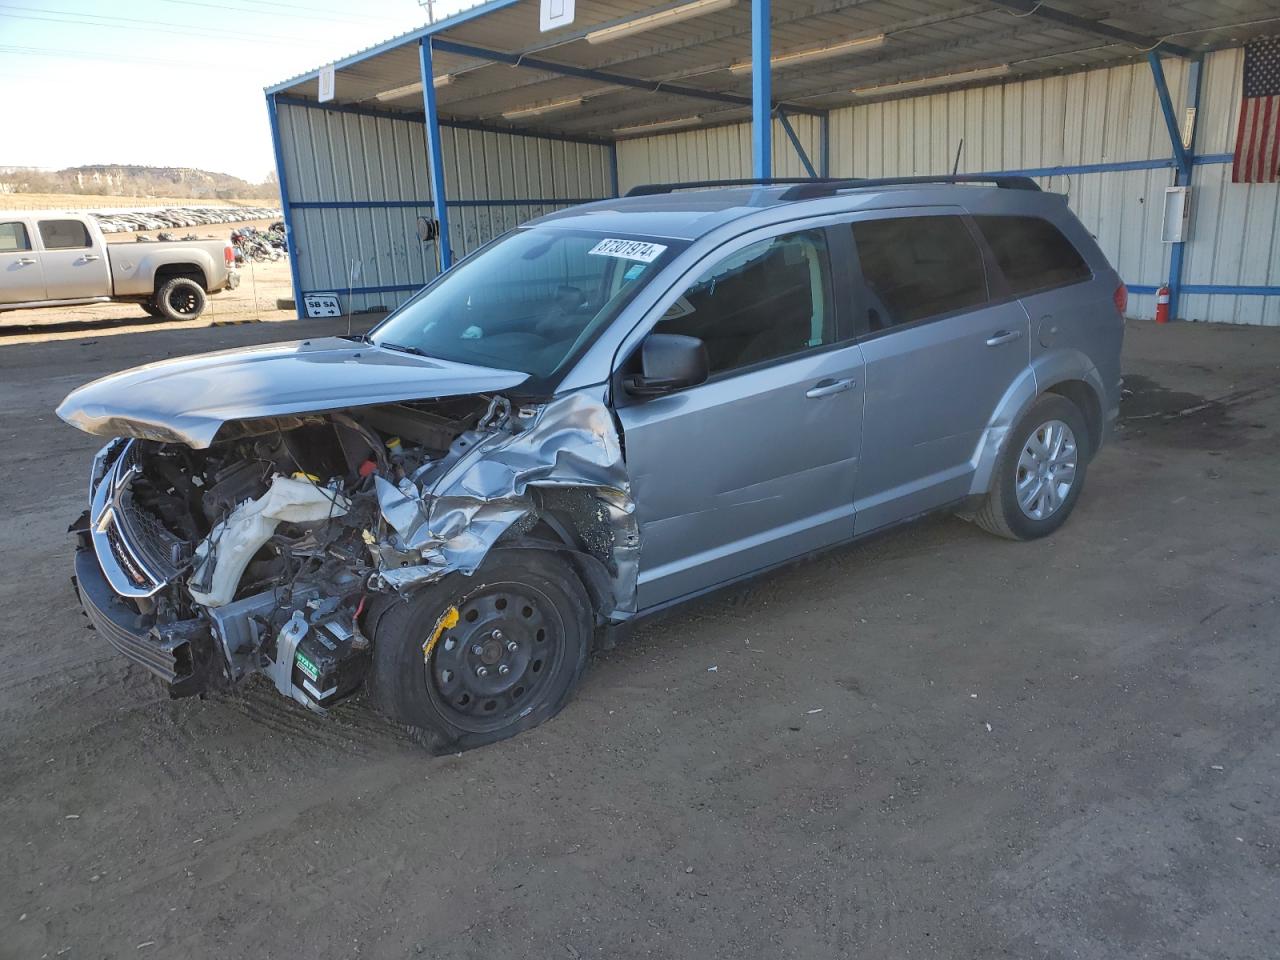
[[688, 214]]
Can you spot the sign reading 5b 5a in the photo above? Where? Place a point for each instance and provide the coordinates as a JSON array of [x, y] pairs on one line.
[[555, 14], [322, 305]]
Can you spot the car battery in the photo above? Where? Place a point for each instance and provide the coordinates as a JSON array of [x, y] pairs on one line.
[[328, 663]]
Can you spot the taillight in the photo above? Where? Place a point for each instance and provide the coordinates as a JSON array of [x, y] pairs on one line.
[[1121, 299], [229, 255]]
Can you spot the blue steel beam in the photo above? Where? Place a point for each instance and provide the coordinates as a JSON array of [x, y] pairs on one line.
[[418, 117], [479, 10], [824, 145], [282, 180], [435, 153], [1040, 9], [604, 77], [761, 92], [1184, 176], [1181, 155], [795, 142]]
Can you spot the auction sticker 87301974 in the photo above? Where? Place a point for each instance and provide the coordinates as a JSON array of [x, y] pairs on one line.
[[640, 250]]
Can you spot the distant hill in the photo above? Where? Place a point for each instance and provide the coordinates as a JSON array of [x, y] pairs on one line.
[[135, 180]]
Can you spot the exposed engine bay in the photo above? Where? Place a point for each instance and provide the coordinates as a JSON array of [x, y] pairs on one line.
[[271, 550]]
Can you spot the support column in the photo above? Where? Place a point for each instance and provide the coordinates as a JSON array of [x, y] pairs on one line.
[[435, 154], [790, 131], [290, 244], [761, 92], [1183, 157], [824, 145]]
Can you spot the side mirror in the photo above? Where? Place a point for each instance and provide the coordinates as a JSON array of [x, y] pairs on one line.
[[668, 362]]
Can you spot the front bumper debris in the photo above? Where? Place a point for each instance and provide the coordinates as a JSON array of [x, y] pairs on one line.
[[179, 654]]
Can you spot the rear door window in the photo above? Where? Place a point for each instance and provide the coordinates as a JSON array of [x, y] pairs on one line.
[[1032, 253], [915, 268], [64, 235], [13, 237], [769, 300]]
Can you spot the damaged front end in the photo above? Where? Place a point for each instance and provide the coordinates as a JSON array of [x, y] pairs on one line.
[[270, 549]]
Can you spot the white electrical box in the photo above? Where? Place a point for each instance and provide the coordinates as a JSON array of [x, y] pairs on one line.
[[555, 14], [1177, 215], [326, 84]]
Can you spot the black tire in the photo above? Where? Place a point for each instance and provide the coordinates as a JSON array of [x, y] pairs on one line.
[[1001, 513], [523, 610], [151, 309], [181, 298]]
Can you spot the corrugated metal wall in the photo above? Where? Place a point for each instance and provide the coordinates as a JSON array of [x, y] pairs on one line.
[[1097, 117], [716, 153], [526, 176], [358, 183], [1235, 230]]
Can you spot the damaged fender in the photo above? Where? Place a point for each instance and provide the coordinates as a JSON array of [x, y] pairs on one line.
[[453, 512]]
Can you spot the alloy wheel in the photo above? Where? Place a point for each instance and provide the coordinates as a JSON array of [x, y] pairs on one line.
[[1046, 470]]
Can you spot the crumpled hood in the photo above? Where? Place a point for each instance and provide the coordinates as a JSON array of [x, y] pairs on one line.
[[188, 399]]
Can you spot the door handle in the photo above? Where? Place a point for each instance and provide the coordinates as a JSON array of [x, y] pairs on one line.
[[88, 257], [825, 388], [26, 261], [1003, 336]]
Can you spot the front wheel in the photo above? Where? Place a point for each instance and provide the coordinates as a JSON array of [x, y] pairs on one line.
[[472, 660], [1040, 473]]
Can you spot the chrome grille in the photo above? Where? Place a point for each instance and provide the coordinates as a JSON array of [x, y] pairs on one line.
[[137, 554], [123, 558], [155, 546]]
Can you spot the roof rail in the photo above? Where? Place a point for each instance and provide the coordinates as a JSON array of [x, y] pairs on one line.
[[811, 189], [654, 189]]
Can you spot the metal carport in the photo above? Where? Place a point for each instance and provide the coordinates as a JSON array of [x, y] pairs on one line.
[[1110, 106]]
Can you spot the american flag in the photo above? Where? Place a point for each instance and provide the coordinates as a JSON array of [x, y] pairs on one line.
[[1257, 157]]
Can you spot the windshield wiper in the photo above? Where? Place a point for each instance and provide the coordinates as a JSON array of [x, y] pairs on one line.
[[399, 347]]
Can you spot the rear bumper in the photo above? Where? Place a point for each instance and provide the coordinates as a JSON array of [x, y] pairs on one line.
[[180, 654]]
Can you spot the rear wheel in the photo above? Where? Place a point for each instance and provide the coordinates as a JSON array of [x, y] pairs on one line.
[[1040, 473], [473, 660], [151, 309], [180, 298]]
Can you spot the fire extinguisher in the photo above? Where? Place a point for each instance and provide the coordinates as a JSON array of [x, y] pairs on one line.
[[1162, 304]]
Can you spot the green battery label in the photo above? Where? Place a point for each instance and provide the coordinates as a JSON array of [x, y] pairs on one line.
[[307, 667]]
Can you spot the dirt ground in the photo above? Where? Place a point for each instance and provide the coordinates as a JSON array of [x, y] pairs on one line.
[[934, 744]]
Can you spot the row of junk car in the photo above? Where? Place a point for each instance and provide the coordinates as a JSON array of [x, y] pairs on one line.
[[181, 217]]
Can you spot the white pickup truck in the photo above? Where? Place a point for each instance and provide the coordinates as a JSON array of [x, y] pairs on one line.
[[50, 259]]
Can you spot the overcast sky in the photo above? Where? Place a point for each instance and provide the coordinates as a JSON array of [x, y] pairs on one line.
[[169, 82]]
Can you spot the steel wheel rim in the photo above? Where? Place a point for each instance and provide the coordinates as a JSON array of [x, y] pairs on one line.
[[504, 625], [1046, 470]]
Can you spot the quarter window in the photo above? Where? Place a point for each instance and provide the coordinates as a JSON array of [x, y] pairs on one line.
[[64, 235], [1032, 253], [918, 267], [767, 301], [13, 237]]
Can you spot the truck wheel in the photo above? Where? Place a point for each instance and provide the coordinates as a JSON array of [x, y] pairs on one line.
[[471, 660], [150, 309], [181, 299]]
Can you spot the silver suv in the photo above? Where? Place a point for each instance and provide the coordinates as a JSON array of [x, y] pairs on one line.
[[607, 411]]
